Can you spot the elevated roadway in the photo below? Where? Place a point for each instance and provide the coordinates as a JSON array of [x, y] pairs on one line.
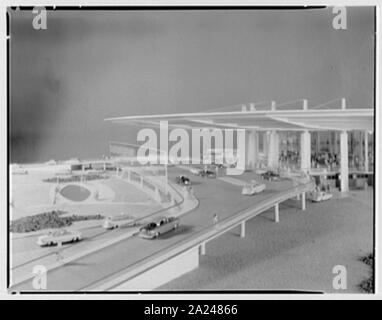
[[106, 268]]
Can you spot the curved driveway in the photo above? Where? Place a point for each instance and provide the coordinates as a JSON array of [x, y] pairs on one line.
[[215, 196]]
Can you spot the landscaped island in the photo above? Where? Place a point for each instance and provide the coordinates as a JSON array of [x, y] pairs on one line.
[[48, 220]]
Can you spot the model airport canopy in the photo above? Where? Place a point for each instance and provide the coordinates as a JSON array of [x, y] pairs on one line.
[[290, 116]]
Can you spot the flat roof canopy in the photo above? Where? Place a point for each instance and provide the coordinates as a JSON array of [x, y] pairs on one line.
[[263, 120]]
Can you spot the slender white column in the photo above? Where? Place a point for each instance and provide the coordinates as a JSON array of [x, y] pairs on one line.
[[303, 201], [256, 147], [305, 153], [343, 103], [203, 248], [344, 162], [242, 229], [273, 150], [277, 216], [366, 155], [252, 149], [265, 143], [166, 179], [249, 150], [305, 104], [335, 148], [318, 141]]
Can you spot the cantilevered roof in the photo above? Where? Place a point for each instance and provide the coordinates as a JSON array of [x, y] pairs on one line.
[[249, 116]]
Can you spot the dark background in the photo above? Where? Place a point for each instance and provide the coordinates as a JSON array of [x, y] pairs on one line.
[[90, 65]]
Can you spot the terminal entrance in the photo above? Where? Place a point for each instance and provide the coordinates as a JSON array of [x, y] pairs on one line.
[[290, 150], [325, 150], [326, 153], [317, 153]]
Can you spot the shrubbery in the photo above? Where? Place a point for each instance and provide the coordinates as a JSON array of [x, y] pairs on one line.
[[48, 220], [367, 285], [368, 260], [76, 178]]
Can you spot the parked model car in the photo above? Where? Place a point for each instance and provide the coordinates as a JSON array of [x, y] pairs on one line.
[[117, 221], [158, 226], [17, 169], [299, 178], [270, 176], [196, 171], [253, 188], [183, 180], [319, 196], [109, 224], [62, 236], [208, 173]]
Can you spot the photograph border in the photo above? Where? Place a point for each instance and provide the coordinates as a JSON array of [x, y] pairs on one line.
[[185, 8]]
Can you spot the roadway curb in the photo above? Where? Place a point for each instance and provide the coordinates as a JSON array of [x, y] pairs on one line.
[[79, 255], [207, 234], [134, 231]]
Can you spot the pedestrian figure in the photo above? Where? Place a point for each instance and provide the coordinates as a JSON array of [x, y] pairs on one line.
[[216, 218], [59, 255], [56, 191]]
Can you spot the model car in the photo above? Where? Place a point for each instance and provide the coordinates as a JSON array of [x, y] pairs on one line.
[[300, 178], [109, 224], [253, 188], [208, 173], [158, 226], [183, 180], [59, 236], [17, 169], [361, 183], [196, 171], [51, 162], [319, 196], [116, 221], [270, 176], [230, 165]]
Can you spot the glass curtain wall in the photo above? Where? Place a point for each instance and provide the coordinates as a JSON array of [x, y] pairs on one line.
[[325, 150], [326, 153], [289, 149], [357, 151]]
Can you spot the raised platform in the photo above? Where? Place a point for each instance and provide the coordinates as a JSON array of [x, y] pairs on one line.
[[135, 256]]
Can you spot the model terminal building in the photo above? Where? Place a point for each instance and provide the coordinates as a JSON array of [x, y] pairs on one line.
[[325, 140], [329, 137]]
